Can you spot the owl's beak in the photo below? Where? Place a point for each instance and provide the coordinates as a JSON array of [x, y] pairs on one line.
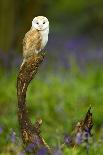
[[40, 26]]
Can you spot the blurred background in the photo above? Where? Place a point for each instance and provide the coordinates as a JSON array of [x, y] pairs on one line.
[[75, 29], [72, 69]]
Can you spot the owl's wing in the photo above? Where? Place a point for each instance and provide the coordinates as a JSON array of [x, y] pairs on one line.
[[31, 42]]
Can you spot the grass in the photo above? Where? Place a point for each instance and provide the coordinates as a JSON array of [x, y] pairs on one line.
[[60, 99]]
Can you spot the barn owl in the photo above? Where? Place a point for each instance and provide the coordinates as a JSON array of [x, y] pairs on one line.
[[36, 38]]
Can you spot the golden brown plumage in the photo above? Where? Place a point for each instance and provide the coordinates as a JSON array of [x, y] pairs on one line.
[[31, 43]]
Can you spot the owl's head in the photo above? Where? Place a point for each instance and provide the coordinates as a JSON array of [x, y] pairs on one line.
[[40, 23]]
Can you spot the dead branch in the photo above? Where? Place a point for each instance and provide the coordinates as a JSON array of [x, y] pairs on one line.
[[30, 133]]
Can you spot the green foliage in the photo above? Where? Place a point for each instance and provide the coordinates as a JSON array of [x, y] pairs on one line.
[[59, 99], [7, 23], [65, 16]]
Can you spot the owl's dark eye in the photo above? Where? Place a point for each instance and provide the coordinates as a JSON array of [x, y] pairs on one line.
[[37, 23], [43, 22]]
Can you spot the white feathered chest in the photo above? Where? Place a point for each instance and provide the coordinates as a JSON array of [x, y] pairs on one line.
[[44, 37]]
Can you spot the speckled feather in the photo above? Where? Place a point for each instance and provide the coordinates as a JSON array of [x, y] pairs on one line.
[[31, 42]]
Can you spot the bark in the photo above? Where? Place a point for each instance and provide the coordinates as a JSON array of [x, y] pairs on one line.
[[30, 133]]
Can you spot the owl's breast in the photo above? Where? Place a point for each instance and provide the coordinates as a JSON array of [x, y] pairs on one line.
[[44, 36]]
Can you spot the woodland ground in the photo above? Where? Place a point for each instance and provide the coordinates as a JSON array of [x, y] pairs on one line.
[[60, 99]]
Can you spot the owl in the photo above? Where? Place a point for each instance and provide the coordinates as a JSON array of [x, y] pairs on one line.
[[36, 38]]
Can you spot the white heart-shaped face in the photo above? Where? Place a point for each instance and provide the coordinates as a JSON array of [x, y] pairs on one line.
[[40, 23]]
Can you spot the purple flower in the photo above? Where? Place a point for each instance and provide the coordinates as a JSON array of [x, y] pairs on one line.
[[67, 140], [87, 134], [30, 147], [13, 137], [42, 151], [78, 138], [1, 130]]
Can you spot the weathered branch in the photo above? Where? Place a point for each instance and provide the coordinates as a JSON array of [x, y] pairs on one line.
[[86, 124], [81, 132], [30, 133]]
